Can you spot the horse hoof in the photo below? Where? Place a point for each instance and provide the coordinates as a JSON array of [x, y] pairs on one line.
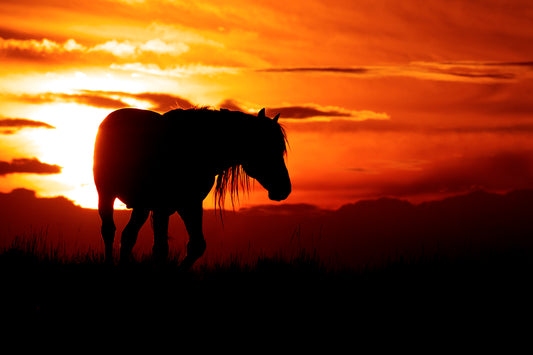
[[187, 263], [196, 249]]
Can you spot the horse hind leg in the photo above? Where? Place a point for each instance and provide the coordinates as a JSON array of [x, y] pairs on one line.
[[130, 233], [195, 250], [192, 217], [105, 210], [160, 225]]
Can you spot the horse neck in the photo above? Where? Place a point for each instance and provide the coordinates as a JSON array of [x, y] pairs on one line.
[[230, 144]]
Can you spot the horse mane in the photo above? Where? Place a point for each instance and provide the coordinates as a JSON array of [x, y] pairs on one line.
[[232, 180]]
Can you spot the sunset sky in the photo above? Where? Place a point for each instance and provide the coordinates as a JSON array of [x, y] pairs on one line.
[[410, 99]]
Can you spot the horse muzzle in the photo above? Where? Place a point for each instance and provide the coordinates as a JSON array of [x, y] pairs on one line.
[[279, 195]]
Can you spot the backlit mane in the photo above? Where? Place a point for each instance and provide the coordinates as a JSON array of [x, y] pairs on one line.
[[233, 180]]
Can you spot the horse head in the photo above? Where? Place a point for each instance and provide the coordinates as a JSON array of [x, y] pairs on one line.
[[264, 157]]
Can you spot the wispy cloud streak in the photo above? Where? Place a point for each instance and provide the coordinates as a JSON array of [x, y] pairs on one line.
[[445, 71], [12, 125], [116, 48], [81, 98], [310, 111], [27, 166], [332, 70], [176, 71], [160, 102], [22, 123]]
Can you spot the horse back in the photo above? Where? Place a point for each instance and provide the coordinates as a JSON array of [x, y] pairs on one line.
[[125, 144]]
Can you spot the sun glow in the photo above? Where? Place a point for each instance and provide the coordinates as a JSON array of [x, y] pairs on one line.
[[70, 146], [54, 98], [362, 108], [92, 80]]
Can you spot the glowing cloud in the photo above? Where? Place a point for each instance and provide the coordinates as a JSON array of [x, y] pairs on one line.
[[122, 49], [134, 49], [177, 71], [43, 46]]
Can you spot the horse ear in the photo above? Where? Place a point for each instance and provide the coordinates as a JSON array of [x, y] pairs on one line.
[[261, 113], [276, 118]]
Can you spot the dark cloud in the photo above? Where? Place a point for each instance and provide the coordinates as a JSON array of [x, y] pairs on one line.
[[11, 125], [160, 102], [83, 98], [364, 233], [230, 104], [330, 70], [94, 100], [449, 71], [27, 166], [300, 112], [360, 170], [471, 71], [22, 122], [297, 209], [108, 99], [303, 112], [501, 171], [497, 64], [503, 76], [6, 32]]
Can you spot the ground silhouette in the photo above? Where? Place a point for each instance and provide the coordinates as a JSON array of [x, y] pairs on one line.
[[365, 233], [475, 277]]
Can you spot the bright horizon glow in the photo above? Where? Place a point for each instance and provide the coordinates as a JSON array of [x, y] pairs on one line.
[[70, 146], [379, 99]]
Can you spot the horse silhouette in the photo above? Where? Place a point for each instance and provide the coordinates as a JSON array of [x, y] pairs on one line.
[[169, 163]]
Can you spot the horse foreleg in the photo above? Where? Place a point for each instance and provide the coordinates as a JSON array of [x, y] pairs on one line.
[[192, 217], [130, 232], [160, 224], [105, 209]]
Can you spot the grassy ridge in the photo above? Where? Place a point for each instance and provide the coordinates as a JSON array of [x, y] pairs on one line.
[[40, 280]]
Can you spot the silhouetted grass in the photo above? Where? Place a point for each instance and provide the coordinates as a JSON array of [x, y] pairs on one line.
[[43, 280]]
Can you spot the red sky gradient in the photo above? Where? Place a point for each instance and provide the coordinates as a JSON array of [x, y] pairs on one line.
[[409, 99]]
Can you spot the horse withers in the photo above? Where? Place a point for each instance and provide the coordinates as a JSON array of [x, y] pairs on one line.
[[169, 163]]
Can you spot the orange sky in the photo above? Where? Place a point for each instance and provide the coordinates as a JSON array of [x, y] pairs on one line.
[[406, 99]]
